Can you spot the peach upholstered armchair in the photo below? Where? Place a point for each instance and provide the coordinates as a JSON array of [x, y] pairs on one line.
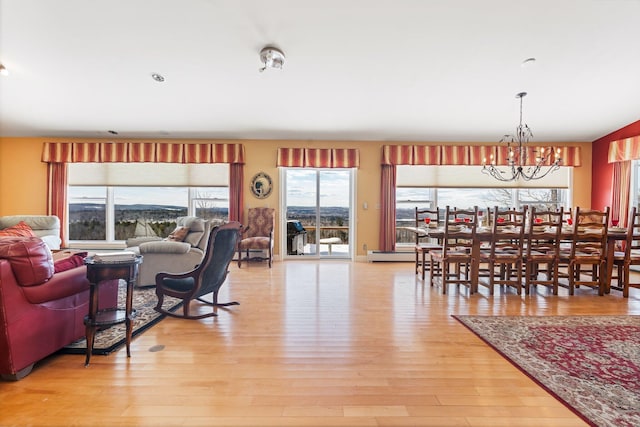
[[258, 233]]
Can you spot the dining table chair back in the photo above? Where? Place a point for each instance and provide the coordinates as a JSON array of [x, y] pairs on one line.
[[504, 254], [629, 255], [542, 248], [454, 261], [589, 248], [425, 220]]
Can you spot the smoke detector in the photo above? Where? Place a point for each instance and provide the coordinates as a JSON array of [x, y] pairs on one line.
[[271, 57]]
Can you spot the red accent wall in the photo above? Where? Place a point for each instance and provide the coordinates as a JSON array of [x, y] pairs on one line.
[[601, 169]]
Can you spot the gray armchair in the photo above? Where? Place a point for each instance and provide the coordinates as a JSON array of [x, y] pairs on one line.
[[47, 227], [171, 256]]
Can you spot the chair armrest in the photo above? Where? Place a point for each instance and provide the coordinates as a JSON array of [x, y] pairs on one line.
[[137, 241], [165, 247], [53, 242]]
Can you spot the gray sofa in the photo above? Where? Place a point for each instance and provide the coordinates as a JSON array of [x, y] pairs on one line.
[[47, 227], [169, 256]]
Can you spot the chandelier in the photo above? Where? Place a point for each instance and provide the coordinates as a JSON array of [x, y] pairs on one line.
[[518, 165]]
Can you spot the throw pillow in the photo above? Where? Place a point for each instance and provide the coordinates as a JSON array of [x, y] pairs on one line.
[[30, 259], [178, 234], [75, 260], [21, 229]]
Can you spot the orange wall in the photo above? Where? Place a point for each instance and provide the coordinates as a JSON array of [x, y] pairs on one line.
[[23, 177]]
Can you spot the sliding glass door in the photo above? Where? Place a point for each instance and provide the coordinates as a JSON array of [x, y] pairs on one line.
[[318, 212]]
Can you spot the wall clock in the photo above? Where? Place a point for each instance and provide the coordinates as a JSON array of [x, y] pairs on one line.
[[261, 185]]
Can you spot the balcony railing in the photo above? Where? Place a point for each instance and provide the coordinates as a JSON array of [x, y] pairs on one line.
[[341, 232]]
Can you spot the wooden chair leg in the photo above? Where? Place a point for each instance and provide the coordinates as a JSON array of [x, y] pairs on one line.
[[434, 270], [626, 281]]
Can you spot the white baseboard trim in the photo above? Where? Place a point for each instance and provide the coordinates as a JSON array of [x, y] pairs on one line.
[[398, 256]]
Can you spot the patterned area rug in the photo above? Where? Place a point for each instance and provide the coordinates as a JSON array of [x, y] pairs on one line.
[[590, 363], [112, 338]]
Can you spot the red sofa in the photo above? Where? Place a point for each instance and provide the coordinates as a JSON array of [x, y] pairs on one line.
[[39, 317]]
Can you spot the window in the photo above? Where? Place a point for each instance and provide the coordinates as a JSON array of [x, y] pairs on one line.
[[87, 207], [112, 202], [541, 198], [635, 184], [431, 186]]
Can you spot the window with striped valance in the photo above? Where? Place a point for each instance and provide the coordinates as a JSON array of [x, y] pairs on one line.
[[135, 152], [58, 155], [318, 158], [624, 149], [471, 155]]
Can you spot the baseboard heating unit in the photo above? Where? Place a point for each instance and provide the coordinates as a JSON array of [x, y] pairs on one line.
[[400, 256]]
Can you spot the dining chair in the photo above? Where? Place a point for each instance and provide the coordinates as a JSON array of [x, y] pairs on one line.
[[630, 255], [484, 217], [454, 262], [588, 248], [427, 219], [542, 249], [504, 254], [567, 216]]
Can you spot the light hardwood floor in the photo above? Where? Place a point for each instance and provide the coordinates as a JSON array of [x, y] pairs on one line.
[[312, 344]]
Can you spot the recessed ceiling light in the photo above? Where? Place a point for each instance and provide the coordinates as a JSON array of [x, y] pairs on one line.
[[528, 62], [157, 77]]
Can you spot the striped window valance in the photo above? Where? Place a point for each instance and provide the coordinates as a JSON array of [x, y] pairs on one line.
[[136, 152], [472, 155], [318, 157], [624, 149]]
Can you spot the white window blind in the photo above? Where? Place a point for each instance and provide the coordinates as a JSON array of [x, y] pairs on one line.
[[149, 174], [472, 177]]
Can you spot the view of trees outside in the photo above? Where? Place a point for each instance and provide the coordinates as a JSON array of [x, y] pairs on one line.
[[333, 206], [149, 211], [410, 198], [140, 211]]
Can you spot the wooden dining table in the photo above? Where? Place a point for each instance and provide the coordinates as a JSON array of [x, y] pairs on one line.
[[485, 234]]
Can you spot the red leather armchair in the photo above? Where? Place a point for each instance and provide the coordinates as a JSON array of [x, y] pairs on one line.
[[40, 316]]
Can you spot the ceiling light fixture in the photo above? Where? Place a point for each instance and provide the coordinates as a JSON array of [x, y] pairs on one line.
[[271, 57], [523, 161], [3, 70], [157, 77]]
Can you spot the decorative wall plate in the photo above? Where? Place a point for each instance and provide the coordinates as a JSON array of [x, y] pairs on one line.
[[261, 185]]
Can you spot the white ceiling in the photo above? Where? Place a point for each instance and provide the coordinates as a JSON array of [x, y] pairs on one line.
[[404, 70]]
